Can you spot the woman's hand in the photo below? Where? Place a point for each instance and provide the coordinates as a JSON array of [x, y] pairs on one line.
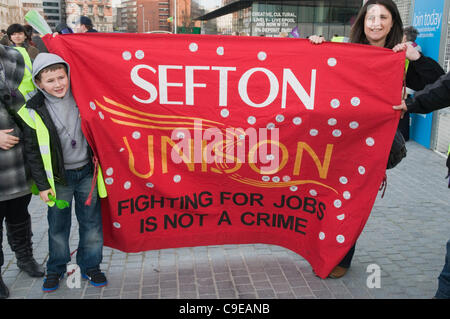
[[402, 107], [411, 53], [44, 195], [7, 140], [316, 39]]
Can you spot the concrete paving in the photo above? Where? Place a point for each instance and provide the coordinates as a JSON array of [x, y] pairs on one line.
[[404, 238]]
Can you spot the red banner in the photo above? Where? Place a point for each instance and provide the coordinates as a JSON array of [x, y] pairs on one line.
[[207, 140]]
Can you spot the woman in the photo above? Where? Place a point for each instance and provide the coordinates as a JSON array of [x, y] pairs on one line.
[[18, 36], [379, 24], [15, 180]]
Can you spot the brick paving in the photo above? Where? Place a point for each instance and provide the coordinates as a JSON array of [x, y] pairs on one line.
[[405, 236]]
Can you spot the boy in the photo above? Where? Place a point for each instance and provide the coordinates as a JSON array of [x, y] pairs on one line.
[[60, 161]]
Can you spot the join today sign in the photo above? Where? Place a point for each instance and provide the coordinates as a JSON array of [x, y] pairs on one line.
[[428, 18]]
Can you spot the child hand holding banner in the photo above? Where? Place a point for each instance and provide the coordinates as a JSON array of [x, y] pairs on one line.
[[207, 140]]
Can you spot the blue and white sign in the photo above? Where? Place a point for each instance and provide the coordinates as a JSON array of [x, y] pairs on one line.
[[428, 18]]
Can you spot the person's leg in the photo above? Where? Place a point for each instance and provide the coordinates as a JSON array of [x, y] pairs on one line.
[[90, 247], [4, 292], [59, 224], [347, 260], [443, 291], [341, 269], [18, 227]]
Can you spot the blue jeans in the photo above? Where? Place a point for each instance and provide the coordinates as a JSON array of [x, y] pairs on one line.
[[90, 245], [443, 291]]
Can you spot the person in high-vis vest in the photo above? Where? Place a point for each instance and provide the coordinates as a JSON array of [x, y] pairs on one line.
[[433, 97], [379, 24], [63, 168], [15, 180]]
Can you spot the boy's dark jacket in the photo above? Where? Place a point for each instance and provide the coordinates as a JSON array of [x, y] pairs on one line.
[[32, 153]]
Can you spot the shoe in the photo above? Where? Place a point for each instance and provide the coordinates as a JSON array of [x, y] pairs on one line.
[[51, 282], [96, 278], [338, 272], [19, 238]]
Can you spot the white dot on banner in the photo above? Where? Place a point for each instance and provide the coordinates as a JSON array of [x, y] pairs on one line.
[[136, 135], [177, 178], [335, 103], [193, 47], [297, 120], [224, 113], [332, 62], [354, 125], [332, 122], [275, 179], [109, 171], [220, 51], [116, 225], [121, 150], [270, 126], [286, 178], [343, 180], [346, 195], [262, 55], [355, 101], [279, 118], [340, 239], [337, 203], [127, 185], [321, 235], [139, 54], [265, 178], [313, 132], [180, 135], [251, 120], [337, 133], [313, 192], [109, 180], [150, 185], [270, 157], [340, 217], [126, 55], [100, 114], [293, 188], [370, 141], [92, 105], [361, 170]]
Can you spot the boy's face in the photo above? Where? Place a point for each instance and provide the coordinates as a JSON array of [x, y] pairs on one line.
[[55, 82]]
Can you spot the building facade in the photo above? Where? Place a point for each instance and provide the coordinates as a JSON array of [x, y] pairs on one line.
[[99, 11], [10, 12], [271, 18], [156, 16], [54, 12]]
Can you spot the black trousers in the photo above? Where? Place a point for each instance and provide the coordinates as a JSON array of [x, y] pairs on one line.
[[15, 211], [347, 260]]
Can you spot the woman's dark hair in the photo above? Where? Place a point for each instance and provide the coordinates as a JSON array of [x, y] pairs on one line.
[[13, 28], [393, 38]]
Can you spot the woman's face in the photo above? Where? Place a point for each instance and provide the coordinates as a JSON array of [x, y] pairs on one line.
[[377, 24], [18, 38]]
